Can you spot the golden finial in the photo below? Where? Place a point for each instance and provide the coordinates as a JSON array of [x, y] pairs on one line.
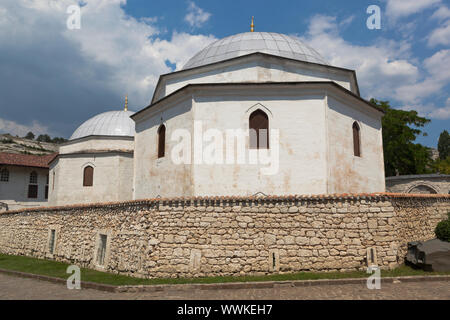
[[252, 26], [126, 103]]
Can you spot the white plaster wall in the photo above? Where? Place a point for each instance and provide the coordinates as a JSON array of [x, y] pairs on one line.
[[316, 144], [257, 72], [348, 173], [300, 119], [113, 176], [97, 143], [161, 177], [15, 191]]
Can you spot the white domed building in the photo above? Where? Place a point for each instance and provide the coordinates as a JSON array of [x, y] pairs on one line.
[[96, 164], [317, 134], [255, 113]]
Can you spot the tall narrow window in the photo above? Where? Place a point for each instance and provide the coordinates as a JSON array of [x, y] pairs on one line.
[[101, 253], [4, 175], [33, 186], [51, 244], [53, 182], [259, 130], [356, 140], [46, 188], [88, 176], [161, 141]]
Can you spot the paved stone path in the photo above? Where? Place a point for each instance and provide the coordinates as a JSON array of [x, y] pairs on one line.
[[21, 288]]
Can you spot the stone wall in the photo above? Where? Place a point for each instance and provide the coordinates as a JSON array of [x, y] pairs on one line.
[[227, 236], [423, 184]]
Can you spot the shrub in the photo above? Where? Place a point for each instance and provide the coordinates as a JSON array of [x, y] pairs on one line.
[[442, 230], [7, 140]]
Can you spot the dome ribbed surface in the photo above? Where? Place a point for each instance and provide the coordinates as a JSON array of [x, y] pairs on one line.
[[250, 42], [112, 123]]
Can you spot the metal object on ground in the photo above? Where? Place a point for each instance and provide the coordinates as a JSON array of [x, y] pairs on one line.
[[432, 255]]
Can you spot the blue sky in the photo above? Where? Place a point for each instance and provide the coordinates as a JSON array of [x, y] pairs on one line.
[[55, 78]]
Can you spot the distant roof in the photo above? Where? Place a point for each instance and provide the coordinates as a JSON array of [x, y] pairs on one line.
[[26, 160]]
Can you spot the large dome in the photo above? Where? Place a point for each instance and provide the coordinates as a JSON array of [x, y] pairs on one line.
[[112, 123], [251, 42]]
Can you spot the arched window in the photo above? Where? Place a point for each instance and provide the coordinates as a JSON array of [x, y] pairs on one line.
[[356, 140], [4, 175], [422, 189], [161, 141], [88, 176], [33, 186], [259, 130]]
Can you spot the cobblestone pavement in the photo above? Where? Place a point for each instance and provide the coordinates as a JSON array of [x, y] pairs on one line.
[[21, 288]]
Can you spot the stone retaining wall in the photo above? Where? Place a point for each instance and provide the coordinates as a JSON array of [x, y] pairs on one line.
[[228, 236]]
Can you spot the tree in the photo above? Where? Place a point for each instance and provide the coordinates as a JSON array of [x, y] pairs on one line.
[[442, 166], [30, 136], [44, 138], [444, 145], [400, 129], [58, 140]]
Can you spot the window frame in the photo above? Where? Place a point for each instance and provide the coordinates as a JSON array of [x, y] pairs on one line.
[[97, 253], [33, 186], [88, 182], [52, 241], [46, 187], [161, 141], [252, 130], [4, 172], [356, 138]]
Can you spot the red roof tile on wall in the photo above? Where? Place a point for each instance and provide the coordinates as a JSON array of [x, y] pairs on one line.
[[26, 160]]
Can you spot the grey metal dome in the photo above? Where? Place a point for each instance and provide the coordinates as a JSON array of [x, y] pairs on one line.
[[112, 123], [251, 42]]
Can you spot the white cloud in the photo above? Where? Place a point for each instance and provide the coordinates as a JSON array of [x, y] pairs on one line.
[[61, 77], [442, 13], [404, 8], [188, 42], [196, 16], [437, 77], [20, 130], [385, 68], [440, 35], [440, 113], [380, 67], [431, 111]]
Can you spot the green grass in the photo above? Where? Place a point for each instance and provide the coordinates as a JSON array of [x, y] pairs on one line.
[[58, 270]]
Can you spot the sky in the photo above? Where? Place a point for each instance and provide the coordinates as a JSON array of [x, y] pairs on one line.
[[54, 78]]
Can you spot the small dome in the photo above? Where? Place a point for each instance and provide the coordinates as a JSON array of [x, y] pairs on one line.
[[250, 42], [112, 123]]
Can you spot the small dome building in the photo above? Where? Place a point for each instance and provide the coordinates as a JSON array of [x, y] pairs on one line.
[[112, 123], [96, 164]]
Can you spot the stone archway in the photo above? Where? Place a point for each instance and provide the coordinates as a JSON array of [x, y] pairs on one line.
[[422, 188]]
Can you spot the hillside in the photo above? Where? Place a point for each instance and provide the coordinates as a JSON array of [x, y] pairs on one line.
[[13, 144]]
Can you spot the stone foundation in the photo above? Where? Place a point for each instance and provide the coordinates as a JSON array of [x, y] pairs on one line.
[[227, 236]]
